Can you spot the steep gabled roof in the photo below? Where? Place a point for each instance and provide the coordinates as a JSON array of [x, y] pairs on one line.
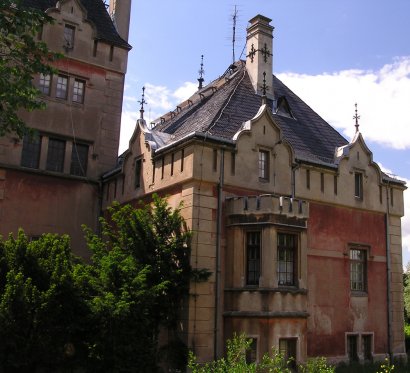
[[96, 13], [222, 112]]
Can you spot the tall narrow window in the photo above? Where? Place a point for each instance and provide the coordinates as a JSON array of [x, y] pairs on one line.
[[233, 163], [55, 155], [78, 91], [95, 48], [252, 352], [69, 36], [253, 254], [367, 347], [352, 347], [307, 179], [215, 159], [358, 185], [392, 196], [162, 167], [79, 159], [30, 156], [287, 348], [182, 159], [45, 83], [62, 87], [172, 163], [335, 184], [287, 251], [137, 175], [263, 165], [322, 182], [111, 57], [380, 194], [358, 269]]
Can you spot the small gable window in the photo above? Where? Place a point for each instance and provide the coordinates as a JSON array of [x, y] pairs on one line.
[[69, 36], [358, 185], [263, 165]]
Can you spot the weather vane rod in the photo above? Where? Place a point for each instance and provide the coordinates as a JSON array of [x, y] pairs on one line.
[[356, 118], [142, 102]]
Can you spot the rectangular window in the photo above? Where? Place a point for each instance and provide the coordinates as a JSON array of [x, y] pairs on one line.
[[287, 348], [30, 156], [162, 167], [79, 159], [287, 249], [69, 36], [263, 165], [358, 269], [392, 196], [215, 159], [358, 185], [380, 194], [252, 352], [367, 347], [253, 255], [335, 184], [62, 87], [182, 159], [45, 83], [307, 179], [322, 182], [233, 163], [78, 91], [138, 168], [172, 163], [352, 348], [55, 155], [111, 53], [95, 48]]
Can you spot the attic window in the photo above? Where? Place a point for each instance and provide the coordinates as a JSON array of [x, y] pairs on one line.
[[283, 107], [69, 36]]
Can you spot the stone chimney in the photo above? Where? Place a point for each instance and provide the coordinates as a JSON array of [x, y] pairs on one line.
[[259, 42], [120, 11]]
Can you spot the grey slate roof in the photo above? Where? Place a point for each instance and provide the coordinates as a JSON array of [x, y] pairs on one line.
[[222, 113], [96, 13]]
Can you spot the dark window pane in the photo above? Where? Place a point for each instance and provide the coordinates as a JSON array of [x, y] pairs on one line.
[[79, 160], [286, 254], [137, 181], [30, 156], [358, 270], [55, 155], [253, 258]]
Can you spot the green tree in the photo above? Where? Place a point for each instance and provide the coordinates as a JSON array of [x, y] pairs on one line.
[[43, 314], [140, 276], [21, 57]]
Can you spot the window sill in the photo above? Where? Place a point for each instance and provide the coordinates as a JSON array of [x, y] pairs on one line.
[[356, 293]]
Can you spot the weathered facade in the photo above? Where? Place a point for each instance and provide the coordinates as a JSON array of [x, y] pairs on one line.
[[300, 227], [51, 182]]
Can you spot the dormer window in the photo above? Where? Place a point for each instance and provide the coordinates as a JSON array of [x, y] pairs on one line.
[[283, 107], [69, 32]]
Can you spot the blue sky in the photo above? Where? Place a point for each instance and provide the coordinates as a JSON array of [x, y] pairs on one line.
[[330, 53]]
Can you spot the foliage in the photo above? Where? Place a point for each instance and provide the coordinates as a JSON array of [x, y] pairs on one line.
[[406, 286], [21, 57], [236, 362], [386, 367], [316, 365], [58, 312], [43, 315], [140, 276]]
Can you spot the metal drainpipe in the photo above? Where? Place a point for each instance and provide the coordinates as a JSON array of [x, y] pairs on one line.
[[218, 254], [388, 269]]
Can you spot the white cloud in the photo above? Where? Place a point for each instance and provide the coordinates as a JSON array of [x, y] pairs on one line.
[[185, 91], [382, 95]]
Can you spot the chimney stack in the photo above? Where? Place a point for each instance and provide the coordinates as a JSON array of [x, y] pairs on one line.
[[120, 11], [259, 43]]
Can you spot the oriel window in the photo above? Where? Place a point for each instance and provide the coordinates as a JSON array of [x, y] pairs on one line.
[[55, 155], [30, 156], [287, 251], [253, 256]]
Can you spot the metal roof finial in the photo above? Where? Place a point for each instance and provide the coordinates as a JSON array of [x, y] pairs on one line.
[[356, 118], [142, 102], [201, 73]]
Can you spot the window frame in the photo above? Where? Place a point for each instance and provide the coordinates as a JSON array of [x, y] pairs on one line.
[[137, 173], [251, 355], [79, 160], [263, 165], [31, 152], [45, 89], [69, 36], [358, 269], [289, 354], [280, 248], [253, 257], [78, 92], [54, 162], [352, 340], [358, 185], [61, 93]]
